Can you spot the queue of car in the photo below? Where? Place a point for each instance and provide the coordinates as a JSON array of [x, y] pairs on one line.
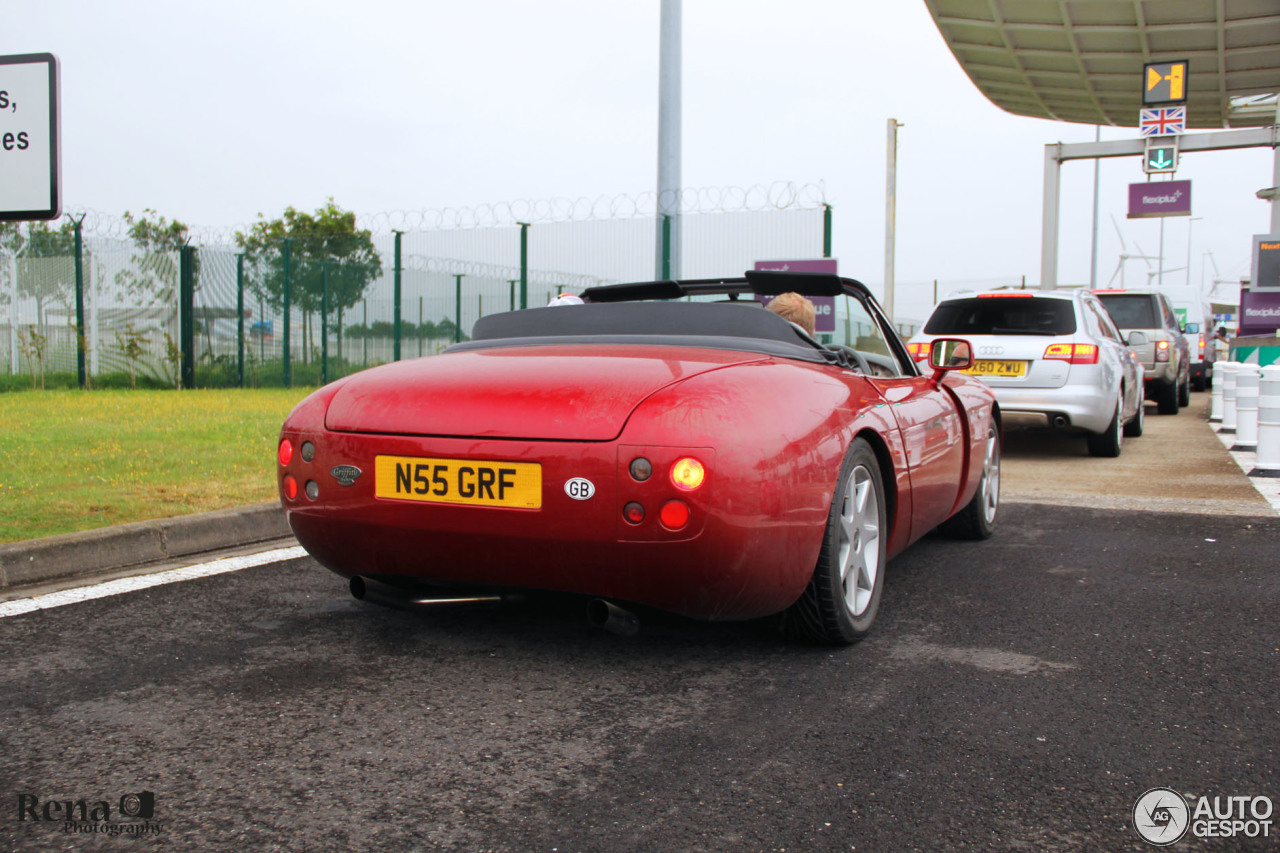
[[1076, 360]]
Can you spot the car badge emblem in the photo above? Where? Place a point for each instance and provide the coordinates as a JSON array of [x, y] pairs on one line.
[[345, 474], [580, 488]]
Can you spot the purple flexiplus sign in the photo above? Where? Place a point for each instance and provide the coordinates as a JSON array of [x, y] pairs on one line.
[[1160, 198], [824, 307]]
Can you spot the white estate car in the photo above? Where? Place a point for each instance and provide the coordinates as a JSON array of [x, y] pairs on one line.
[[1054, 359]]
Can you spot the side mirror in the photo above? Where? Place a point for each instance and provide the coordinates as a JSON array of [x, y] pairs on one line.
[[1191, 328], [950, 354], [1138, 339]]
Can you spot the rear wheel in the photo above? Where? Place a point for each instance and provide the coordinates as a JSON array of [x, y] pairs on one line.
[[1108, 443], [1184, 392], [978, 518], [1138, 422], [843, 596], [1167, 399]]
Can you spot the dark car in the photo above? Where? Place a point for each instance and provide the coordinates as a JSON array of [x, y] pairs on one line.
[[1166, 357]]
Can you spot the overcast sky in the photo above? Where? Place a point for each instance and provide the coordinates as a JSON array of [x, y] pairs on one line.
[[212, 113]]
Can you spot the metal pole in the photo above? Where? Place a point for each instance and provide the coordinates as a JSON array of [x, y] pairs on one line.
[[13, 313], [664, 270], [524, 264], [286, 251], [396, 293], [511, 282], [669, 115], [1049, 218], [1189, 221], [1160, 260], [1093, 251], [240, 318], [186, 313], [826, 231], [890, 212], [324, 322], [457, 307], [79, 250]]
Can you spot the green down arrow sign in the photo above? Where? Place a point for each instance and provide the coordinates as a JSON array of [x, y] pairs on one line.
[[1161, 157]]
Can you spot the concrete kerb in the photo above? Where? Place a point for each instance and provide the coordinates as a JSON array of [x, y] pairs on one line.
[[96, 552]]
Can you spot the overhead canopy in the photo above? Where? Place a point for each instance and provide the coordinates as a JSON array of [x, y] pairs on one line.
[[1082, 60]]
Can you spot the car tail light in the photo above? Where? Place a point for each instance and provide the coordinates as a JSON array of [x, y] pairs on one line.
[[290, 487], [285, 453], [687, 474], [1163, 351], [633, 513], [919, 351], [1201, 348], [1072, 353], [674, 515]]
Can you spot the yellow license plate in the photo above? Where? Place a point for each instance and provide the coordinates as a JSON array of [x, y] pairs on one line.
[[998, 368], [475, 482]]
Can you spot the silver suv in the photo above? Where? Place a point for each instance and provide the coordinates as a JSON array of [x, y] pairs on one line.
[[1166, 357], [1053, 358]]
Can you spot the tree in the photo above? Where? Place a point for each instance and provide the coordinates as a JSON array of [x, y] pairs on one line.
[[154, 273], [40, 276], [322, 245]]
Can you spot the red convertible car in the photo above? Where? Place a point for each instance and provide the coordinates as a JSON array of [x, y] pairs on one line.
[[670, 444]]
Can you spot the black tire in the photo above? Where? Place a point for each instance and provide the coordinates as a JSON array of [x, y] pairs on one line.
[[1198, 383], [852, 561], [1167, 399], [977, 520], [1184, 392], [1108, 443], [1138, 422]]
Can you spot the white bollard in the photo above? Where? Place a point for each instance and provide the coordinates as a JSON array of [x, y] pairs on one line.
[[1246, 407], [1229, 398], [1268, 463], [1215, 400]]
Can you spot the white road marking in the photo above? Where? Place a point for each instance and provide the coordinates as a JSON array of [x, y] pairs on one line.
[[123, 585], [1268, 487]]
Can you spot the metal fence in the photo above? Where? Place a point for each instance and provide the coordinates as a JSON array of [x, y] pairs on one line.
[[215, 315]]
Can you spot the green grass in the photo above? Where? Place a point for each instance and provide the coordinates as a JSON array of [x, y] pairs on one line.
[[77, 460]]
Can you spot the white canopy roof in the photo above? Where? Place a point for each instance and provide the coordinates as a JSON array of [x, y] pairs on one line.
[[1081, 60]]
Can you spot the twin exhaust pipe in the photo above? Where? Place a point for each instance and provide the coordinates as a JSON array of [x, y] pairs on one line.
[[600, 613]]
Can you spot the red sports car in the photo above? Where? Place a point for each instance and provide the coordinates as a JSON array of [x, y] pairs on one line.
[[671, 444]]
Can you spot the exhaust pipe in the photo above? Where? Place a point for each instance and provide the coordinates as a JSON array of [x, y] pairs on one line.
[[612, 618], [365, 589], [1060, 421]]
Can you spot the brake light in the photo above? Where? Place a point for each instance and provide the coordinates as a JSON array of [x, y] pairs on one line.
[[286, 451], [1072, 353], [1201, 347], [1162, 351], [1014, 294], [687, 474], [919, 351], [290, 487], [675, 514]]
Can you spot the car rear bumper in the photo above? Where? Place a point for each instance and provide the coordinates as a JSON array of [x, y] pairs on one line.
[[1082, 407]]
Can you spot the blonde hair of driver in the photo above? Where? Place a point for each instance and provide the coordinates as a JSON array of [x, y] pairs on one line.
[[794, 307]]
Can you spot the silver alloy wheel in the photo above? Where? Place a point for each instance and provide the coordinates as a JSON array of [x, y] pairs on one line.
[[859, 543], [991, 477]]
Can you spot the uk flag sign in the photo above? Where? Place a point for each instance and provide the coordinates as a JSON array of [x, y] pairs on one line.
[[1163, 121]]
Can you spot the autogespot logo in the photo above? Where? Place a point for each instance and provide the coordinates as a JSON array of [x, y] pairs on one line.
[[1161, 816]]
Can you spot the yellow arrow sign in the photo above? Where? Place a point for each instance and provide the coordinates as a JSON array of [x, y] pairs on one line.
[[1166, 82]]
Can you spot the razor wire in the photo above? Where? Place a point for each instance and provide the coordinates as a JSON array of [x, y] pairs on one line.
[[778, 195]]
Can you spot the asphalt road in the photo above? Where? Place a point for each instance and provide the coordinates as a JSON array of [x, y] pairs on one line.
[[1018, 694]]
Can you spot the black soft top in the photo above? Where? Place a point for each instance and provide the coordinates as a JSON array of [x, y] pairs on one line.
[[735, 325]]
